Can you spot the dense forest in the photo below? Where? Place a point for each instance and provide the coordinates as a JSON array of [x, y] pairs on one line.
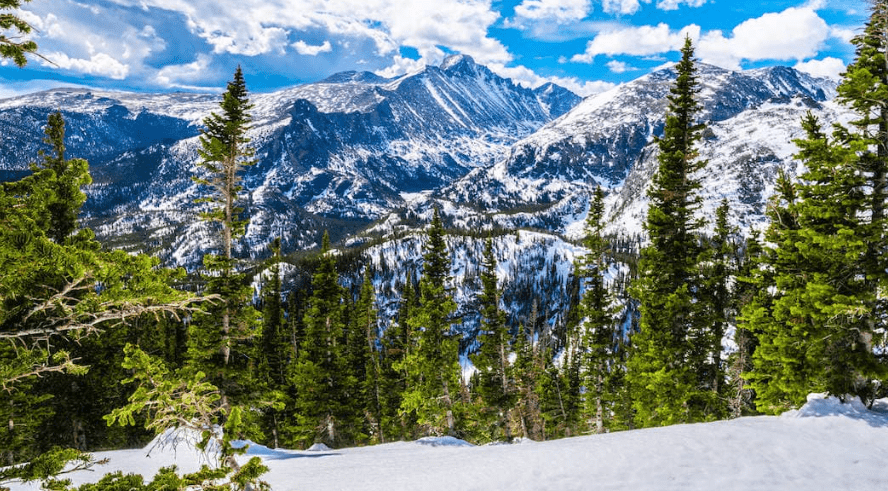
[[101, 349]]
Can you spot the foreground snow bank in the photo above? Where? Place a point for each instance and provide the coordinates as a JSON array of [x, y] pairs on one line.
[[824, 445]]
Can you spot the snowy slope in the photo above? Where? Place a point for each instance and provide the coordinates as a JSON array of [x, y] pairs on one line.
[[825, 445], [601, 140]]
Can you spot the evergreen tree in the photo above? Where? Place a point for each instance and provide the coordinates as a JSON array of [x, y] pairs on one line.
[[11, 45], [717, 302], [741, 399], [495, 384], [810, 339], [321, 375], [367, 362], [55, 298], [599, 335], [224, 348], [662, 369], [275, 352], [433, 368], [397, 343]]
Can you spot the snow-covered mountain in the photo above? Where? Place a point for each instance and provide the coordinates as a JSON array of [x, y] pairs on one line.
[[334, 154], [356, 148], [608, 139]]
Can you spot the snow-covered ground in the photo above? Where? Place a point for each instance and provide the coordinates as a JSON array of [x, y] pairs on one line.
[[825, 445]]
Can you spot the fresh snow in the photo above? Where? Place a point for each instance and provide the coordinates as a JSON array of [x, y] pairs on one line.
[[824, 445]]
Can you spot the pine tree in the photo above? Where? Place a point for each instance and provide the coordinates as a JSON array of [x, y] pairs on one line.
[[10, 44], [433, 368], [367, 362], [716, 300], [321, 375], [599, 335], [661, 371], [495, 384], [810, 340], [750, 279], [275, 352], [397, 343], [224, 348]]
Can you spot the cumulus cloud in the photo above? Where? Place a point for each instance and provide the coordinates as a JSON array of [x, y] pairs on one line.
[[619, 67], [637, 41], [675, 4], [303, 48], [186, 75], [558, 10], [622, 6], [794, 34], [256, 27], [99, 64], [828, 67]]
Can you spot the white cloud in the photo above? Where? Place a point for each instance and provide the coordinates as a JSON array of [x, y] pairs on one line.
[[99, 64], [675, 4], [828, 67], [622, 6], [638, 41], [256, 27], [794, 34], [558, 10], [310, 50], [842, 33], [186, 75], [619, 66]]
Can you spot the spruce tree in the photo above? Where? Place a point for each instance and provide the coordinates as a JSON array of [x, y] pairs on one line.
[[224, 347], [599, 330], [811, 338], [495, 384], [275, 352], [432, 394], [717, 303], [321, 376], [367, 362], [661, 370]]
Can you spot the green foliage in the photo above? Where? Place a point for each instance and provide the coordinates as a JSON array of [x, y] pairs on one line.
[[433, 369], [183, 399], [814, 325], [494, 384], [13, 28], [46, 467], [57, 294], [320, 375], [664, 369], [600, 339]]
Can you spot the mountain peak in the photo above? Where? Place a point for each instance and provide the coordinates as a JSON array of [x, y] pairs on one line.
[[354, 77], [459, 60]]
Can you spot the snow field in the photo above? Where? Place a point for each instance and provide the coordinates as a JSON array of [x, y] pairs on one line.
[[825, 445]]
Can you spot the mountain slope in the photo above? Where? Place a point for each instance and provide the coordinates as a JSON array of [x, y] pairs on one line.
[[600, 140], [334, 154]]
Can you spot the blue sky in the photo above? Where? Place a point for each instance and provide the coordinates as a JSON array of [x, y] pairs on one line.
[[585, 45]]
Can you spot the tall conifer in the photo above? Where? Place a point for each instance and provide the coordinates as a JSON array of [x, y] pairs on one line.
[[433, 368], [665, 385]]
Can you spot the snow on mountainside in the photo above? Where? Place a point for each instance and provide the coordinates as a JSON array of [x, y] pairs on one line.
[[824, 445], [333, 154], [601, 140]]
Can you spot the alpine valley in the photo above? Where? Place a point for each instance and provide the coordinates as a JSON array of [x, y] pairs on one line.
[[368, 158]]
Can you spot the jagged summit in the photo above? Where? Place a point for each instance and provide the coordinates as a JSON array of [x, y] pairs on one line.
[[458, 61], [355, 77]]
